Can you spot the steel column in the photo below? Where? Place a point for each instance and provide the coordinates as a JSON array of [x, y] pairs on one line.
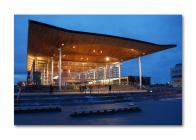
[[59, 70], [52, 71], [140, 72], [119, 73]]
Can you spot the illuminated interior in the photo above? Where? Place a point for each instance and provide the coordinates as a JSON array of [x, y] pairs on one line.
[[72, 57]]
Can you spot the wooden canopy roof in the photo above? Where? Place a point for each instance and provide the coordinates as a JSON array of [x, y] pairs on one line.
[[44, 41]]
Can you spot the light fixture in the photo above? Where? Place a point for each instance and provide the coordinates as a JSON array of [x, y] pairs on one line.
[[100, 51], [62, 44], [94, 51], [56, 77], [132, 49], [107, 58], [74, 47]]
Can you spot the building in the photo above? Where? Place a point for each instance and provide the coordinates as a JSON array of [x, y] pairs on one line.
[[176, 75], [61, 57]]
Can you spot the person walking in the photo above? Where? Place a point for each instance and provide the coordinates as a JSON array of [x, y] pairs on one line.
[[90, 88], [110, 88], [51, 89], [80, 88], [85, 88]]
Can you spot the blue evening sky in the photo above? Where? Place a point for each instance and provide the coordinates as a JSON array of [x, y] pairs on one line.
[[160, 29]]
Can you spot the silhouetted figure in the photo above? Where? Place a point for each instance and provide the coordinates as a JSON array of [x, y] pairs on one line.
[[90, 88], [51, 89], [80, 88], [85, 88], [110, 88]]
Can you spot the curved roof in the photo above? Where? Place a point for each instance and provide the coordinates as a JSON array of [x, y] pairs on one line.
[[44, 41]]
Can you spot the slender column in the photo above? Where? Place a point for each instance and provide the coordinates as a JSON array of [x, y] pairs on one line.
[[47, 77], [106, 70], [33, 70], [52, 71], [127, 80], [94, 74], [59, 69], [36, 64], [109, 73], [33, 65], [31, 74], [36, 70], [140, 72], [85, 75], [41, 76], [104, 75], [44, 79], [119, 73]]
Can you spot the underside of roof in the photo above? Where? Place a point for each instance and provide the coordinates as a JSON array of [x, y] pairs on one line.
[[44, 41]]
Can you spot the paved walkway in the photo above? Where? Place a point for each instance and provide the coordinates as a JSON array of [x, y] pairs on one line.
[[153, 113], [93, 92]]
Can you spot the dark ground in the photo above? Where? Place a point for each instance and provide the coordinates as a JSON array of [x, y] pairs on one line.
[[157, 110]]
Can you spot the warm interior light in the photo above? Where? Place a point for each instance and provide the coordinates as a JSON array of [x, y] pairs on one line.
[[55, 77], [62, 44], [132, 49], [143, 53], [74, 47], [100, 51], [107, 58], [94, 51]]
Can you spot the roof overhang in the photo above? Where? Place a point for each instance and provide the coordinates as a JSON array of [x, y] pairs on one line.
[[44, 41]]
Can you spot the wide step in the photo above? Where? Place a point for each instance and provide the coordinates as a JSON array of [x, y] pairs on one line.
[[37, 109], [106, 111]]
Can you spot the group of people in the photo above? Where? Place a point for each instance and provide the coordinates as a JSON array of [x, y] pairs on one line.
[[84, 88]]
